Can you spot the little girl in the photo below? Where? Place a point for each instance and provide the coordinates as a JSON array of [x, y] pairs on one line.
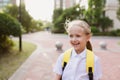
[[79, 33]]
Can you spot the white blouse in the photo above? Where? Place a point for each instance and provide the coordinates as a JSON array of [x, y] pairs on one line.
[[76, 67]]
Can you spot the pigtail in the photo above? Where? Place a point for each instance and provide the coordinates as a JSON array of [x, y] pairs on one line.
[[89, 46]]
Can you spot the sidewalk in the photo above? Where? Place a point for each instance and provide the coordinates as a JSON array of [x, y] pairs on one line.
[[40, 64]]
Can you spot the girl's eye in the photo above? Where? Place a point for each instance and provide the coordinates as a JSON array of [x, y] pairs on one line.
[[70, 36], [78, 35]]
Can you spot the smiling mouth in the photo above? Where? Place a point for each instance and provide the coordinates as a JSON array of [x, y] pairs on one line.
[[76, 44]]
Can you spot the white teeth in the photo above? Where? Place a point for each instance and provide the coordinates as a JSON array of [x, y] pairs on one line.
[[76, 44]]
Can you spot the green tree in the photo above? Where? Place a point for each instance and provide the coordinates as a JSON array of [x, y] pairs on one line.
[[72, 13], [118, 11], [8, 26], [26, 19], [69, 13], [57, 13], [11, 10], [105, 23], [95, 11], [95, 15], [36, 25]]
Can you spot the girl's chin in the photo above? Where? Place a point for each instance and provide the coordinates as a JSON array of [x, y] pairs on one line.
[[76, 48]]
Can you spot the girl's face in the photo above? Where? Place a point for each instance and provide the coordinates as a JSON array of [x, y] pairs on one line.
[[78, 38]]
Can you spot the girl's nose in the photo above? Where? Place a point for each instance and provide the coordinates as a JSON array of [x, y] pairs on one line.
[[74, 39]]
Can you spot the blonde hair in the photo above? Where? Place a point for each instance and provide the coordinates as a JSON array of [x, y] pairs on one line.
[[82, 24]]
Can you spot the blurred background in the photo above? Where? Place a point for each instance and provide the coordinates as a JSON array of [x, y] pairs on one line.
[[32, 19], [103, 15]]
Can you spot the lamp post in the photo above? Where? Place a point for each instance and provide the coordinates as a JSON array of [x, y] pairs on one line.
[[20, 36]]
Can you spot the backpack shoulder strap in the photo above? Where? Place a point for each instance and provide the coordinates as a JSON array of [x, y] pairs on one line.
[[90, 60], [66, 57]]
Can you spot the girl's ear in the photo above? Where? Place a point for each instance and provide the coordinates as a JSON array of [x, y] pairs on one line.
[[88, 37]]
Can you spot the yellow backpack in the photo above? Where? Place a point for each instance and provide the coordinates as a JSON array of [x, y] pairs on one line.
[[89, 62]]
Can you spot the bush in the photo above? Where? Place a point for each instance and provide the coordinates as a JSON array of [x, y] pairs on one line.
[[115, 32], [8, 26], [110, 33], [94, 29], [6, 44]]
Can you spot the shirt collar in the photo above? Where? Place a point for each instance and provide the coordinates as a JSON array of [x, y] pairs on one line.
[[82, 54]]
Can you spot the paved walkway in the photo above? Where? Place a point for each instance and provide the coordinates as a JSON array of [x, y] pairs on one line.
[[40, 64]]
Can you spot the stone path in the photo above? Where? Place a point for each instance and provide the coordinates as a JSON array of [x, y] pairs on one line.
[[40, 64]]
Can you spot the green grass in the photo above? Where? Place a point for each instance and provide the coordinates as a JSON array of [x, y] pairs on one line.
[[10, 62], [118, 43]]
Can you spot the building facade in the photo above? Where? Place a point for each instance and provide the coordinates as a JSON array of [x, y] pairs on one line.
[[111, 8], [68, 3], [63, 3], [57, 4], [6, 2]]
